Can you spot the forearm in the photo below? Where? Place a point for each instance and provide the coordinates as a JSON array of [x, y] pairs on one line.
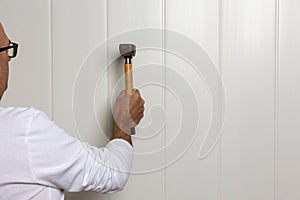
[[120, 134]]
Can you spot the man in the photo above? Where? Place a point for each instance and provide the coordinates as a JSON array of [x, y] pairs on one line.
[[39, 160]]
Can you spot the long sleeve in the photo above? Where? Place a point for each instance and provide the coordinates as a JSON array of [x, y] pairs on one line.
[[61, 161]]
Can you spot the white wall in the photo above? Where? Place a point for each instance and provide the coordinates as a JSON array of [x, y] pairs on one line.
[[255, 46], [249, 73], [189, 177], [288, 98], [30, 81]]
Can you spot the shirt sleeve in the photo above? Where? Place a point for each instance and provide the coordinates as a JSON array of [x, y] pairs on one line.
[[61, 161]]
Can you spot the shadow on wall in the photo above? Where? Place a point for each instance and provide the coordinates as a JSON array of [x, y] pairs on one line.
[[85, 195]]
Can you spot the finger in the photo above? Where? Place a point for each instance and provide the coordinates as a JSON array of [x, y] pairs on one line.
[[137, 121], [140, 113], [135, 101], [136, 93], [143, 109], [142, 102], [141, 106], [137, 113], [122, 93]]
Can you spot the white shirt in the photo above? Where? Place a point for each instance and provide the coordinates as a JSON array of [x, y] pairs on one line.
[[39, 160]]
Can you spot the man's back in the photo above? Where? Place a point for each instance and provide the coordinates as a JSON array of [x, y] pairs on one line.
[[38, 159], [17, 180]]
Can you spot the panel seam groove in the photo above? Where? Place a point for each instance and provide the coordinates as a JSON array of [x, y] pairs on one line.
[[51, 58], [220, 59], [276, 99], [107, 73], [164, 95]]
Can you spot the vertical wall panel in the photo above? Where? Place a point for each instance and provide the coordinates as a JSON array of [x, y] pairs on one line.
[[249, 76], [289, 98], [71, 30], [146, 180], [188, 177], [28, 23], [78, 28]]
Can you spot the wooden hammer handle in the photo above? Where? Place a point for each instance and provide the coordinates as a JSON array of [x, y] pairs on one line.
[[128, 79], [129, 85]]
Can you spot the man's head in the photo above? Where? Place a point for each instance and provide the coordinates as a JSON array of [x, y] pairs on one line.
[[4, 59]]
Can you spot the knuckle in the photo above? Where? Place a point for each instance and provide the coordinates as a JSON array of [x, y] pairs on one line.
[[138, 93], [135, 92]]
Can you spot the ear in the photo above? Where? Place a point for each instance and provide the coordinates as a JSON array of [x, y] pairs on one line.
[[3, 37]]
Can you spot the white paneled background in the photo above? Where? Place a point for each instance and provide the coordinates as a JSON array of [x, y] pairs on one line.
[[254, 44]]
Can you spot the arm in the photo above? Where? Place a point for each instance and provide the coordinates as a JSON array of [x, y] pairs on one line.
[[61, 161]]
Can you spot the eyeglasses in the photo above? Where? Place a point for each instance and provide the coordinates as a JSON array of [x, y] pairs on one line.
[[12, 49]]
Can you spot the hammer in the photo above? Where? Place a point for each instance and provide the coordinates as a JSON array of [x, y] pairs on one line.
[[127, 51]]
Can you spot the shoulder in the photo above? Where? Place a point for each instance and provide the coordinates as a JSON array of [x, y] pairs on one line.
[[19, 113], [18, 120]]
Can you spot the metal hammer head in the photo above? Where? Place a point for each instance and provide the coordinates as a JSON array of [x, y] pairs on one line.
[[127, 50]]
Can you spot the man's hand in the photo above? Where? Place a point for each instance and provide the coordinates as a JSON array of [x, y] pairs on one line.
[[129, 110]]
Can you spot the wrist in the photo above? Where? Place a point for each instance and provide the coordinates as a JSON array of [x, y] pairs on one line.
[[119, 133]]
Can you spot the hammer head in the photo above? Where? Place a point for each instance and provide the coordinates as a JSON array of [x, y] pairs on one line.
[[127, 50]]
